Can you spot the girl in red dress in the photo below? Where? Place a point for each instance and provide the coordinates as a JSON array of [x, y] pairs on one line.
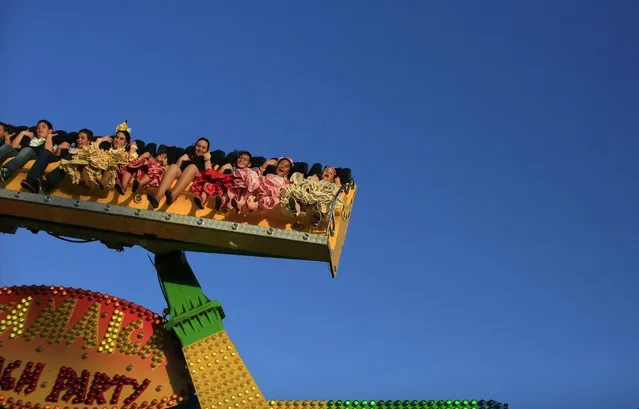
[[215, 183], [148, 171]]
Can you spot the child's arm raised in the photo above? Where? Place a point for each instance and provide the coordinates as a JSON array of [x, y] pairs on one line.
[[18, 139]]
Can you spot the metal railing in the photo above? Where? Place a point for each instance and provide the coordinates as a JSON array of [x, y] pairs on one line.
[[345, 188]]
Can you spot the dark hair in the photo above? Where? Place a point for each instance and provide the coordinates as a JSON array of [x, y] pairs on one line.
[[88, 132], [289, 162], [240, 153], [3, 125], [208, 144], [47, 123], [126, 134]]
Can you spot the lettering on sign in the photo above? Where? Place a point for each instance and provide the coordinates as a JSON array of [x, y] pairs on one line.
[[80, 349]]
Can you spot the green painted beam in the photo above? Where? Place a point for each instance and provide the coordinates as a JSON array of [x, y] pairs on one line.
[[192, 315]]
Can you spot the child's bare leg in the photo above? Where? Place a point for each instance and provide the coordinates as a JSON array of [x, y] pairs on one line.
[[251, 203], [217, 201], [85, 180], [126, 178], [230, 199], [144, 180], [240, 205], [106, 179], [200, 200]]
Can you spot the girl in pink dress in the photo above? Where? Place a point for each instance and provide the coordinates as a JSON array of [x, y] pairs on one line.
[[148, 171], [215, 183], [255, 191]]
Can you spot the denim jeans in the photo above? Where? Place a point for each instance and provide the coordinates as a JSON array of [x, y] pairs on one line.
[[42, 161], [55, 177], [7, 151], [24, 155]]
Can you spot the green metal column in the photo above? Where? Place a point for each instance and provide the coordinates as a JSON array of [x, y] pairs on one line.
[[192, 315]]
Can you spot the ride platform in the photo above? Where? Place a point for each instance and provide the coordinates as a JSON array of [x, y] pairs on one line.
[[121, 221]]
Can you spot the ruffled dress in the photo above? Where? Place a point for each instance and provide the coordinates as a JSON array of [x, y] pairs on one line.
[[212, 182], [310, 192], [245, 184], [269, 191], [146, 166], [96, 161]]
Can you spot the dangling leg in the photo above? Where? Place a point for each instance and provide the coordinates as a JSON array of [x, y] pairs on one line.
[[171, 174], [251, 203], [107, 177], [85, 180], [239, 204], [317, 218], [126, 178], [143, 181], [200, 200], [185, 178], [294, 206], [120, 187], [218, 202]]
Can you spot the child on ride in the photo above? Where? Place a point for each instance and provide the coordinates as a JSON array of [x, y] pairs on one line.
[[148, 171], [253, 190], [313, 193], [214, 183], [92, 165]]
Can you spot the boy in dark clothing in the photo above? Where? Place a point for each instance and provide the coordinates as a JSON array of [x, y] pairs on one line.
[[42, 139], [33, 180]]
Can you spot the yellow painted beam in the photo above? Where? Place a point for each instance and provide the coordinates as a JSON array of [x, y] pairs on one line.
[[219, 375]]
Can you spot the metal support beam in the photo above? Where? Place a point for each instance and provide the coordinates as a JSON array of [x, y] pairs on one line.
[[192, 315]]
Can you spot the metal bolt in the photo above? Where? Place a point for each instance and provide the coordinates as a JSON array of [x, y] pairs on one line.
[[167, 217], [76, 203], [128, 368], [17, 194], [107, 208], [137, 212], [199, 222], [234, 226], [305, 236], [47, 199], [269, 231]]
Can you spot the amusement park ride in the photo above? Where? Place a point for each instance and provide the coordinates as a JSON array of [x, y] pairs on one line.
[[66, 348]]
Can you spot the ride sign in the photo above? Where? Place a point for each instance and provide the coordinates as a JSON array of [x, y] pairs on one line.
[[70, 348]]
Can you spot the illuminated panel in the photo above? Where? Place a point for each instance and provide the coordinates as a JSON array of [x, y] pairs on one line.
[[71, 348], [219, 375]]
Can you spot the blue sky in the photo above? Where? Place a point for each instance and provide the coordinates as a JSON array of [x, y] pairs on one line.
[[493, 246]]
